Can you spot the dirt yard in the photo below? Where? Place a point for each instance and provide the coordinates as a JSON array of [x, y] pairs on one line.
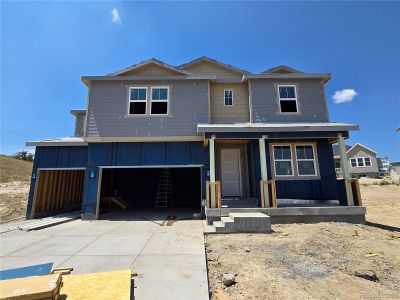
[[14, 188], [314, 261]]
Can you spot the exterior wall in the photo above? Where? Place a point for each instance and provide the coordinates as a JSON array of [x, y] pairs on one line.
[[207, 68], [55, 157], [238, 112], [79, 125], [310, 100], [361, 152], [108, 110], [139, 154]]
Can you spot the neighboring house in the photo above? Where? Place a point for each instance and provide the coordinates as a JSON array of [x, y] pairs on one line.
[[395, 171], [362, 161], [153, 134], [384, 166]]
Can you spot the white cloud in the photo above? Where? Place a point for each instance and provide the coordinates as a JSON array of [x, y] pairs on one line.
[[115, 16], [343, 96]]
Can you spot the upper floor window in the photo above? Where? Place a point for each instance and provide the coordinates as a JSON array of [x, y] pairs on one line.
[[159, 100], [137, 101], [287, 99], [228, 97]]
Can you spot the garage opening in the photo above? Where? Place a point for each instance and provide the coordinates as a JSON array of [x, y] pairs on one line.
[[150, 188], [58, 191]]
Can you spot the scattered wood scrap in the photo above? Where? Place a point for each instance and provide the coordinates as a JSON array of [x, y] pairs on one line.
[[371, 254], [62, 271], [33, 287], [166, 220], [171, 221], [221, 295]]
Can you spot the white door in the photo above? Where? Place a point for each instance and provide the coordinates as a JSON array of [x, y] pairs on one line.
[[230, 170]]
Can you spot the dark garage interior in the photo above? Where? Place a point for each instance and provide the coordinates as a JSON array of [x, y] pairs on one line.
[[141, 188]]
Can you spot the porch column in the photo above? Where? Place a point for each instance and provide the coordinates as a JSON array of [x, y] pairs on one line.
[[264, 172], [344, 163], [211, 144]]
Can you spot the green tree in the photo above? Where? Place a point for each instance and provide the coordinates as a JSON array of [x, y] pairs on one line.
[[24, 155]]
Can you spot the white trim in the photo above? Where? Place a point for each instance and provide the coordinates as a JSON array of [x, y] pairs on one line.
[[137, 101], [361, 145], [288, 99], [306, 159], [60, 169], [231, 90], [160, 101], [151, 166], [197, 138], [291, 159], [363, 161]]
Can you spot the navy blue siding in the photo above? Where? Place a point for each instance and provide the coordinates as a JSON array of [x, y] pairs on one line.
[[140, 154], [56, 157]]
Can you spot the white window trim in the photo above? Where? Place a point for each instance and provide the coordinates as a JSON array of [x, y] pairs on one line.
[[291, 159], [306, 159], [288, 99], [363, 160], [163, 100], [224, 97], [137, 101]]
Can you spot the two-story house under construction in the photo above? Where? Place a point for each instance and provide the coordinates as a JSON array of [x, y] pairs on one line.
[[205, 136]]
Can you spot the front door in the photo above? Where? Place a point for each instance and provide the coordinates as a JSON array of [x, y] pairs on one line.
[[230, 171]]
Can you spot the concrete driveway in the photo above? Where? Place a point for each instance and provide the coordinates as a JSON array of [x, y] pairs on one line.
[[170, 260]]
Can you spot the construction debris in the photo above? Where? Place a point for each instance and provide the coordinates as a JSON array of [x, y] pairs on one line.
[[34, 287], [355, 233], [62, 271], [220, 295], [228, 279], [371, 276], [371, 254], [51, 221]]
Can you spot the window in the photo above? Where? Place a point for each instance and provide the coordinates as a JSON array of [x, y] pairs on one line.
[[228, 97], [287, 99], [159, 100], [137, 101], [305, 160], [360, 162], [283, 161]]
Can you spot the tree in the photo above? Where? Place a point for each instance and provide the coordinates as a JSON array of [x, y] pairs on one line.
[[24, 155]]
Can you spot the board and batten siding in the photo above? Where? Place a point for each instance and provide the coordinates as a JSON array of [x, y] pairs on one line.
[[310, 101], [108, 110], [238, 112]]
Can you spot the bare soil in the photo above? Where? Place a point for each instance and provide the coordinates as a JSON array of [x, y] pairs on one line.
[[314, 261]]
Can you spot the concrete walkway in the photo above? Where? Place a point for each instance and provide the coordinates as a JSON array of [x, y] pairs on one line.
[[170, 260]]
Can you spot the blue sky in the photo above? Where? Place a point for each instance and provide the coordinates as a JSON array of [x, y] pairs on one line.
[[47, 46]]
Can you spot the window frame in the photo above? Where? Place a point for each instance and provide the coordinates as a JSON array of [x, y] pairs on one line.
[[306, 159], [351, 162], [288, 99], [363, 158], [137, 101], [224, 97], [159, 101], [291, 159]]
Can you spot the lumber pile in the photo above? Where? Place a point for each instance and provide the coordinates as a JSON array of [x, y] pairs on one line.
[[31, 288]]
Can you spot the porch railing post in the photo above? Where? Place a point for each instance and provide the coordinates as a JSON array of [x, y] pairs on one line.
[[212, 171], [345, 170], [264, 172]]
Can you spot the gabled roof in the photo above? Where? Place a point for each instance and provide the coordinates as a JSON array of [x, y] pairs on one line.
[[282, 68], [215, 62], [151, 61], [335, 149], [362, 146]]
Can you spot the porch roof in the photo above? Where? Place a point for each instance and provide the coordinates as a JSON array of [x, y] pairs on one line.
[[275, 127], [66, 141]]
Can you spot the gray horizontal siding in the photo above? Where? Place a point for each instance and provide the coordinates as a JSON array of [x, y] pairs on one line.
[[310, 100], [108, 116], [359, 152]]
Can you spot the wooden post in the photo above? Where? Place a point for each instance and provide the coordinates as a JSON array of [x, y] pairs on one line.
[[344, 163], [264, 173], [211, 144]]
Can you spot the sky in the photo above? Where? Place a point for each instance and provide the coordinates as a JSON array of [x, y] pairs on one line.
[[47, 46]]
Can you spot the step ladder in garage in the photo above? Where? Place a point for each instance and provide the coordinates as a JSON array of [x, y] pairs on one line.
[[164, 191]]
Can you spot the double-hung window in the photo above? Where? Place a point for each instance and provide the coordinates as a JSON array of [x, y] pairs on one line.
[[287, 99], [137, 100], [367, 161], [353, 162], [283, 160], [305, 160], [159, 100], [228, 97]]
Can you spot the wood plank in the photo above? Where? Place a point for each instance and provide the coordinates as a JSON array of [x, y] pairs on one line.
[[208, 200]]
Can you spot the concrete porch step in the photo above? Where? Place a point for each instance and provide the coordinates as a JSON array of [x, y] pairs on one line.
[[243, 222]]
